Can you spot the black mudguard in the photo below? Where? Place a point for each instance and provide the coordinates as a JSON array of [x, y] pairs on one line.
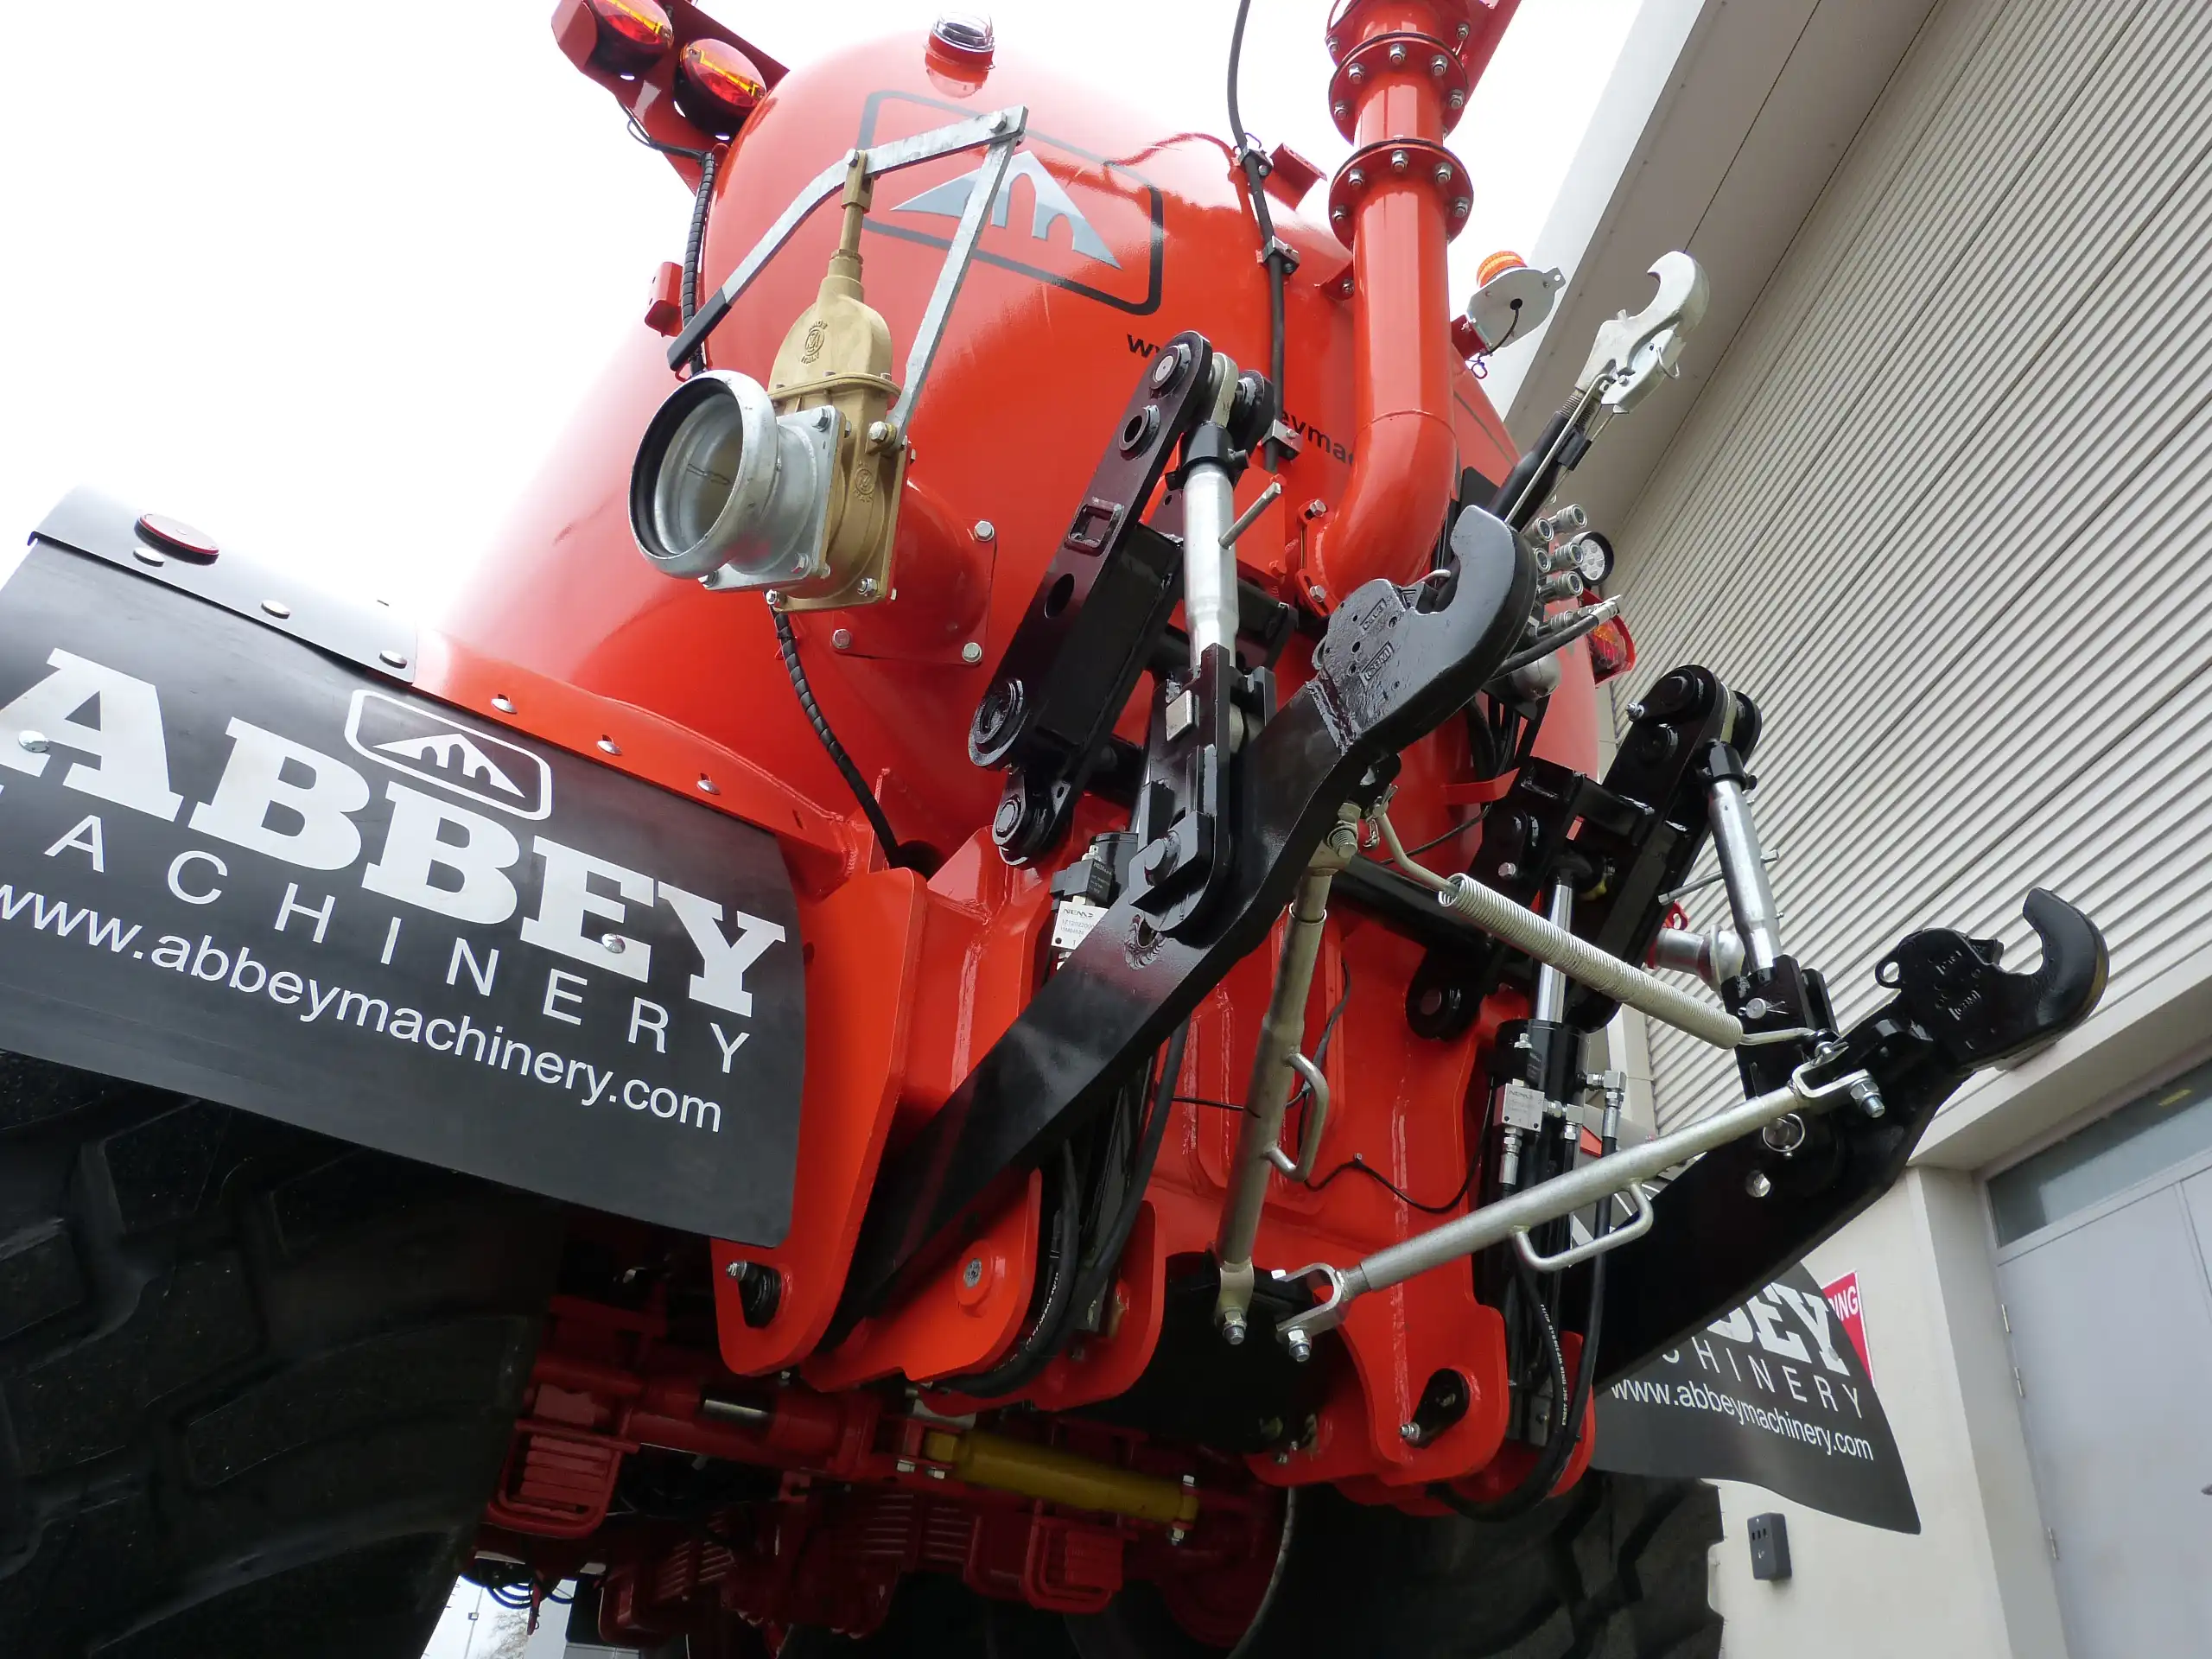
[[241, 859]]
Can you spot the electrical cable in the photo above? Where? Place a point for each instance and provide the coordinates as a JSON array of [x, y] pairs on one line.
[[1277, 255], [787, 643]]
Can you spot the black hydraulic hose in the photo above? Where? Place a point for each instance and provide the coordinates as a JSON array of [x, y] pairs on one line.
[[787, 643], [1032, 1354], [1274, 253], [1108, 1252]]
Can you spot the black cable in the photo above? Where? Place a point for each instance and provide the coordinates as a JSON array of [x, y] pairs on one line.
[[1359, 1166], [787, 643], [1278, 255]]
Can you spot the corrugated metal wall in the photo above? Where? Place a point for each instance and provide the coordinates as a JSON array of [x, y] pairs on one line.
[[1944, 507]]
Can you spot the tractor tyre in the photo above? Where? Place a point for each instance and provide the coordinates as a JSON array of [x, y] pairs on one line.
[[255, 1385], [1614, 1569]]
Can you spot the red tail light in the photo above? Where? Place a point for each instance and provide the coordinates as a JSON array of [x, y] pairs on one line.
[[717, 85], [1612, 651], [634, 35]]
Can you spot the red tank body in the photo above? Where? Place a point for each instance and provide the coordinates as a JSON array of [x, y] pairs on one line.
[[1116, 236]]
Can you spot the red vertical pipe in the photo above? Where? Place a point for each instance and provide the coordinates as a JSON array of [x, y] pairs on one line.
[[1406, 461]]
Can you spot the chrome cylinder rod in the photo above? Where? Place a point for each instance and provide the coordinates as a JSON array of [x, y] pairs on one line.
[[1736, 839], [1209, 547]]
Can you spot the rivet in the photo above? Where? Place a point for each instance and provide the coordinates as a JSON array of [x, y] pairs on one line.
[[986, 530], [708, 786], [609, 746], [613, 942], [146, 556], [1508, 870], [392, 658], [972, 1274], [841, 639], [504, 703], [34, 741], [275, 607], [971, 653]]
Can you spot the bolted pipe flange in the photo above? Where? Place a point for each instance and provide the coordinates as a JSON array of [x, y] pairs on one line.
[[1407, 56], [1393, 161]]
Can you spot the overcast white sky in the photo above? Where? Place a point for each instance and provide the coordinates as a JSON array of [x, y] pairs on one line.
[[326, 285]]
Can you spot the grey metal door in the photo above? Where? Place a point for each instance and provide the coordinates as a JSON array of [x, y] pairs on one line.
[[2111, 1314]]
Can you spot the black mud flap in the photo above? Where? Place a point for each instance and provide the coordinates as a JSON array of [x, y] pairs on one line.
[[239, 858]]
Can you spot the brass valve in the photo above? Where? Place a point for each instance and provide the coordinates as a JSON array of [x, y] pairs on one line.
[[838, 353]]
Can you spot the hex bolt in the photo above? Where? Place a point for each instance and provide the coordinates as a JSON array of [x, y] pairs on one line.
[[1508, 870], [971, 653], [1338, 215], [986, 530], [1868, 1094], [775, 599], [867, 589], [997, 123], [1301, 1346], [1340, 111], [825, 417], [735, 1270], [1758, 1184], [1460, 208], [1456, 98], [1439, 64], [1636, 711], [1356, 74], [972, 1274], [1443, 173], [1232, 1327], [1357, 178], [1398, 52], [1315, 508], [1399, 161], [841, 639]]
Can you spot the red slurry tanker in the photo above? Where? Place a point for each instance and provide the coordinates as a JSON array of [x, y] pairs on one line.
[[953, 1011]]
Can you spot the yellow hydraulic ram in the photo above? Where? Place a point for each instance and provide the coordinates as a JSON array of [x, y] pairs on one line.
[[1057, 1476]]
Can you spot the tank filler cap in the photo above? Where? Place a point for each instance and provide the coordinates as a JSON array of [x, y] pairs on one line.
[[965, 36]]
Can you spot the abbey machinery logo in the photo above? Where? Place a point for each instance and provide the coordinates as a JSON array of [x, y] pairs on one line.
[[467, 761], [1053, 205], [1089, 224]]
